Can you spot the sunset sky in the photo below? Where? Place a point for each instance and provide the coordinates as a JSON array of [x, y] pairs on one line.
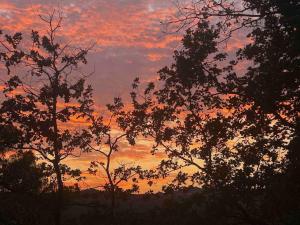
[[127, 33], [129, 42]]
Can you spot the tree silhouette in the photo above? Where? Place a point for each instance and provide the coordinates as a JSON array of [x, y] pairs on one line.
[[273, 26], [49, 94], [271, 83], [20, 173], [23, 182], [104, 136], [233, 128]]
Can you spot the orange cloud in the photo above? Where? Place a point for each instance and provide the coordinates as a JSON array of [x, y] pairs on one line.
[[155, 56], [107, 24]]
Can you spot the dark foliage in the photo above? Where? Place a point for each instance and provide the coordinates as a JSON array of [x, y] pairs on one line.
[[39, 103], [231, 137], [23, 184], [235, 130]]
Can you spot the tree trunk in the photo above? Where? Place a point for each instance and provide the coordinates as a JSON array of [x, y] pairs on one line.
[[57, 146], [59, 196]]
